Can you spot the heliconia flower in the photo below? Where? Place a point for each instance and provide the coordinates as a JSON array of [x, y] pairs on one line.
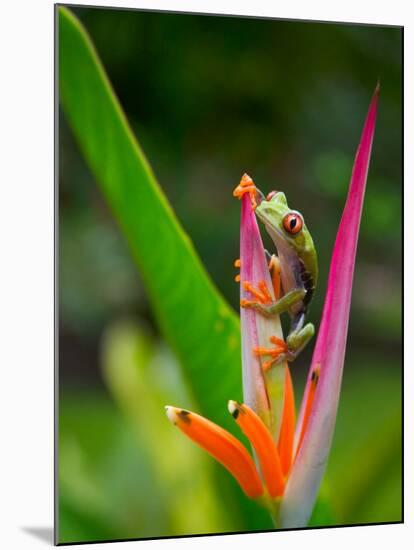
[[260, 417], [317, 415], [290, 460], [227, 450]]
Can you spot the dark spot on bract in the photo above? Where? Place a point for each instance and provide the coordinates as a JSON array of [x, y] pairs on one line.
[[315, 376], [184, 415], [235, 413]]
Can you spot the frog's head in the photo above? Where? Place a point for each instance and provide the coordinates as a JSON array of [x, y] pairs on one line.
[[286, 227]]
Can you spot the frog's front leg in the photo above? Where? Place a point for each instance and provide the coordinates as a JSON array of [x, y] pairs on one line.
[[269, 308]]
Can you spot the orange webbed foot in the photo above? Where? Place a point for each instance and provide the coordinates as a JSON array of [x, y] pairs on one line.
[[261, 293], [246, 185], [275, 353]]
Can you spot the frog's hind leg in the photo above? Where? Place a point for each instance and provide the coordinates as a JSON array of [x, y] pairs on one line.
[[277, 353], [286, 351], [298, 339], [274, 270]]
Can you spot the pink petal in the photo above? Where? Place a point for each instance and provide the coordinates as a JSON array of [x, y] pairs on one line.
[[329, 353], [265, 397]]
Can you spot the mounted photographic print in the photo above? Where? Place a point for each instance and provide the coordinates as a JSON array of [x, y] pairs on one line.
[[229, 250]]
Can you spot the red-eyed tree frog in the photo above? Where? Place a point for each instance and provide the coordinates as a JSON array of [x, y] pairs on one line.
[[296, 259]]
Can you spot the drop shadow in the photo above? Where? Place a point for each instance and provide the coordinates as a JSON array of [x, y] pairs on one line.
[[42, 533]]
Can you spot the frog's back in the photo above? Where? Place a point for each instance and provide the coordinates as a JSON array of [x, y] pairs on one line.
[[309, 270]]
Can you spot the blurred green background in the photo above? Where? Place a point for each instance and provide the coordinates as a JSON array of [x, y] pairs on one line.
[[210, 98]]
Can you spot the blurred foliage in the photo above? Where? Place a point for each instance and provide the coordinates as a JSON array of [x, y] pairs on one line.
[[171, 270], [210, 98]]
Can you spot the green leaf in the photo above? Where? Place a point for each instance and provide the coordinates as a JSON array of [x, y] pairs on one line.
[[194, 318]]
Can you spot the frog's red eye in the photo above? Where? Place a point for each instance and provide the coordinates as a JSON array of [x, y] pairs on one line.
[[293, 223], [270, 195]]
